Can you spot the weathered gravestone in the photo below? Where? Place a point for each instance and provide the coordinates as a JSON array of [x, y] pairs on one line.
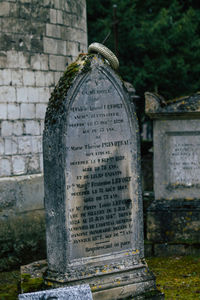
[[81, 292], [173, 219], [92, 183]]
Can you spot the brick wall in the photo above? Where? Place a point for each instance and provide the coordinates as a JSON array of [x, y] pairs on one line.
[[37, 40]]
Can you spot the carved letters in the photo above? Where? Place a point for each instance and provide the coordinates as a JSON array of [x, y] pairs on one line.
[[184, 162], [98, 178]]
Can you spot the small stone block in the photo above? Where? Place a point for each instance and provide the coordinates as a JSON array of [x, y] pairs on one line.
[[78, 292]]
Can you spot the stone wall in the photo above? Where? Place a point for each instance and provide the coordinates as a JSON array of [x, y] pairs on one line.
[[38, 38]]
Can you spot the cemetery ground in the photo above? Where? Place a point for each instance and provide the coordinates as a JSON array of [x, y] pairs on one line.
[[178, 277]]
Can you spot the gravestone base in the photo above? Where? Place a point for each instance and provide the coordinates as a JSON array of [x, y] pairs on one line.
[[137, 282], [173, 226], [119, 285]]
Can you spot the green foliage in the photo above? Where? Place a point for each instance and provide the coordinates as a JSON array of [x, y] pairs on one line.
[[158, 42]]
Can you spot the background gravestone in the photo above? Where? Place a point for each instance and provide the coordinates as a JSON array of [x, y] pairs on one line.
[[92, 184], [173, 218]]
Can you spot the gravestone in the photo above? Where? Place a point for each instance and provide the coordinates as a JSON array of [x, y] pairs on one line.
[[93, 197], [174, 215], [81, 292]]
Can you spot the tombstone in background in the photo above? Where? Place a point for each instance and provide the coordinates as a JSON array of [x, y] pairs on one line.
[[93, 197], [173, 219]]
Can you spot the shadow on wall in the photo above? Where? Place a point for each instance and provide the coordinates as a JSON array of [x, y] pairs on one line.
[[22, 223]]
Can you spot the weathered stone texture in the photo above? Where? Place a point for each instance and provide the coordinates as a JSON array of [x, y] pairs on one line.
[[22, 233], [78, 292], [173, 217], [37, 40], [93, 201], [34, 52]]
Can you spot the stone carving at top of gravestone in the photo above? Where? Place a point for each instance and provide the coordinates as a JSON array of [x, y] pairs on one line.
[[92, 183], [106, 53], [80, 292]]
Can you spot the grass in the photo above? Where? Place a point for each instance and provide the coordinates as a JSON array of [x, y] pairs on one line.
[[177, 277], [9, 285]]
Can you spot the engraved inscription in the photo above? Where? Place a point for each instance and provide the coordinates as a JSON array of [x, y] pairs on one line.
[[184, 160], [99, 178]]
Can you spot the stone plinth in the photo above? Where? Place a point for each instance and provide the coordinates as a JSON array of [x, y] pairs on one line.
[[32, 279]]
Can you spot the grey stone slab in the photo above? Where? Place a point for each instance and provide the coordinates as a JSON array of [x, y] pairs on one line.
[[176, 159], [174, 215], [92, 174], [176, 146], [22, 193], [81, 292], [92, 181]]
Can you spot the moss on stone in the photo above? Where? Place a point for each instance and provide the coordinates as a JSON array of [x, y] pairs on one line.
[[87, 64], [57, 99], [29, 284]]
